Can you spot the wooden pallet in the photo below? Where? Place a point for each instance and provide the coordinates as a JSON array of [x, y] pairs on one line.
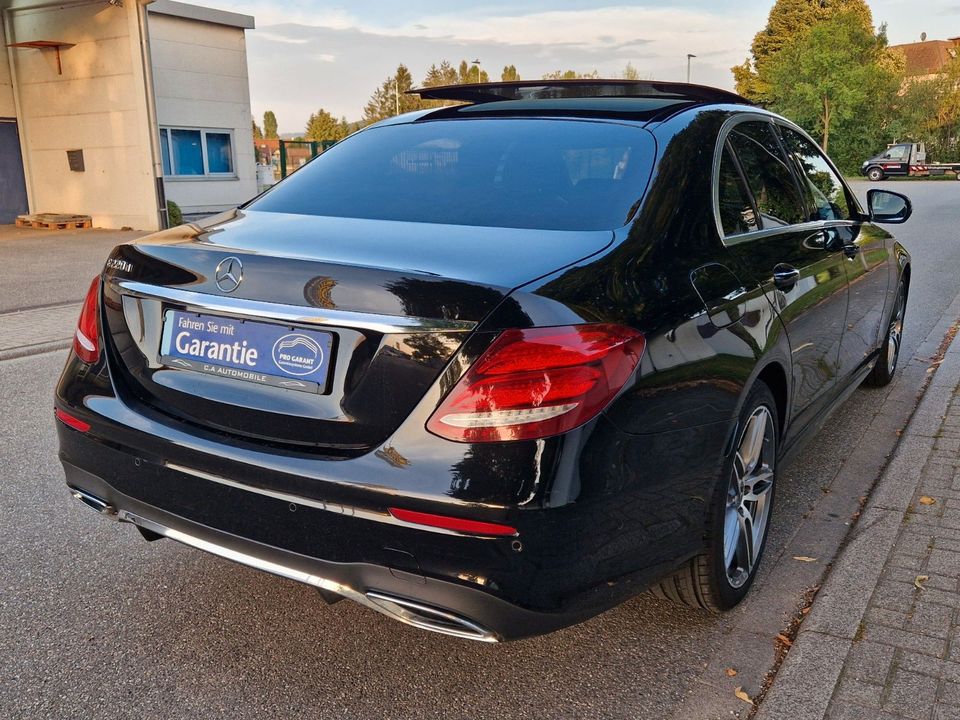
[[54, 221]]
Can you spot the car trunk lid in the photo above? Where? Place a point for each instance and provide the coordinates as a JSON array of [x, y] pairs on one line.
[[389, 303]]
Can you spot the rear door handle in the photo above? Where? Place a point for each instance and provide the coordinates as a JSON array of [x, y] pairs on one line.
[[785, 276]]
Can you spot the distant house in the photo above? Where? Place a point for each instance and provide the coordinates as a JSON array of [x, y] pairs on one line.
[[927, 60], [109, 107]]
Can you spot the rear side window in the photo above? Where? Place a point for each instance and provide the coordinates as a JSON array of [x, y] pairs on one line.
[[737, 213], [494, 172], [825, 192], [767, 173]]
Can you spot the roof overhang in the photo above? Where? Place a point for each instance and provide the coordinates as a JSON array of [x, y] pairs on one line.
[[201, 14]]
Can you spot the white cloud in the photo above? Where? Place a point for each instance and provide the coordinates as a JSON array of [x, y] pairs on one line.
[[280, 38], [301, 12], [655, 40]]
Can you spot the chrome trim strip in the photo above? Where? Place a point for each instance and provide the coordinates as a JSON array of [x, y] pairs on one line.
[[297, 314], [470, 631], [351, 510]]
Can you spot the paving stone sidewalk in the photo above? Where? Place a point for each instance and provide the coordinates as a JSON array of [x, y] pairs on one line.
[[883, 639]]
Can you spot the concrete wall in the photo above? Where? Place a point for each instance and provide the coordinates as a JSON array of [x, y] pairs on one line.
[[200, 80], [98, 104]]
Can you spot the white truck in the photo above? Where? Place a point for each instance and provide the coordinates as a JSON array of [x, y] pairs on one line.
[[905, 159]]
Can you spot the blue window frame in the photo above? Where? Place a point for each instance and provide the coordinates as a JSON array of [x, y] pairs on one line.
[[196, 152]]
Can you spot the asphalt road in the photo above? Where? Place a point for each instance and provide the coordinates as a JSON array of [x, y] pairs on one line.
[[97, 623], [48, 267]]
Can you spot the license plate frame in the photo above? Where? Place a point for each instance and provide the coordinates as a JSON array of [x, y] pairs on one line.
[[282, 356]]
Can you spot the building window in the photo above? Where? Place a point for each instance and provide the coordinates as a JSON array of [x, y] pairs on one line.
[[192, 152]]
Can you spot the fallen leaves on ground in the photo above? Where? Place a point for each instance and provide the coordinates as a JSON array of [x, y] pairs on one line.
[[742, 695], [921, 579], [784, 639], [804, 558], [927, 500], [730, 672]]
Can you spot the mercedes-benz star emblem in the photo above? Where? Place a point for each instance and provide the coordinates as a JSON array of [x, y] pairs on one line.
[[229, 274]]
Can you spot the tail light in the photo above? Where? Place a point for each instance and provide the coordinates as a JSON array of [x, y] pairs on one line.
[[536, 383], [86, 341]]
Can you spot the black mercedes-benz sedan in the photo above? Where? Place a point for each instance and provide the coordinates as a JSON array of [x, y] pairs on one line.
[[492, 368]]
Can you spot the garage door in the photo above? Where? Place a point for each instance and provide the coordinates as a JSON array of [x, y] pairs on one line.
[[13, 190]]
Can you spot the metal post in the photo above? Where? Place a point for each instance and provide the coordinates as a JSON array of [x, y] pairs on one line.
[[396, 93], [477, 63], [283, 159], [690, 57]]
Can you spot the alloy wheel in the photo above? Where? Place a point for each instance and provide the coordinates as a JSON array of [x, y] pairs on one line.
[[749, 497]]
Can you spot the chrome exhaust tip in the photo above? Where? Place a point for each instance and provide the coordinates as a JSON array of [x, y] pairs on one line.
[[430, 618], [92, 501]]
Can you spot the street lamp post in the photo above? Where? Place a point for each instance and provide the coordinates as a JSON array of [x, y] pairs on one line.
[[477, 63], [690, 56]]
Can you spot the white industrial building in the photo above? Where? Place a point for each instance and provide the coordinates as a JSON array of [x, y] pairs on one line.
[[110, 107]]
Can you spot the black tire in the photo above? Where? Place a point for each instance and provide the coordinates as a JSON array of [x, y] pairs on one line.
[[886, 365], [875, 174], [704, 582]]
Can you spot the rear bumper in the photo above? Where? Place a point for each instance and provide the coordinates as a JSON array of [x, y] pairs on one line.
[[603, 515], [411, 598]]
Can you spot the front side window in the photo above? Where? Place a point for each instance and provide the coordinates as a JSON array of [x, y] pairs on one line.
[[188, 152], [897, 153], [825, 191], [493, 172], [767, 173]]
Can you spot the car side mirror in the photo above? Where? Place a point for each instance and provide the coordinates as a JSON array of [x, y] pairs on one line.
[[888, 207]]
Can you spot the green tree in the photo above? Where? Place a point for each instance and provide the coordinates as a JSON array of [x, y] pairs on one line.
[[838, 82], [509, 74], [257, 132], [790, 20], [630, 72], [929, 111], [571, 75], [391, 99], [471, 73], [324, 126], [439, 75], [270, 125]]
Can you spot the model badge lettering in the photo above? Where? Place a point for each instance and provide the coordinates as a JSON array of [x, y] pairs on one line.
[[118, 264], [297, 354]]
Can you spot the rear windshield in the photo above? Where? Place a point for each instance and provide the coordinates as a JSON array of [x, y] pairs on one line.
[[516, 173]]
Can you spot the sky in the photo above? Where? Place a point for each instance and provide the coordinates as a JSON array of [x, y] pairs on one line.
[[310, 54]]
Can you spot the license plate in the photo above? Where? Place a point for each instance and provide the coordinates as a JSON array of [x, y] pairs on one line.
[[276, 355]]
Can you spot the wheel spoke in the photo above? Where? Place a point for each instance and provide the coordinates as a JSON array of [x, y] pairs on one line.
[[745, 547], [731, 536], [752, 443]]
